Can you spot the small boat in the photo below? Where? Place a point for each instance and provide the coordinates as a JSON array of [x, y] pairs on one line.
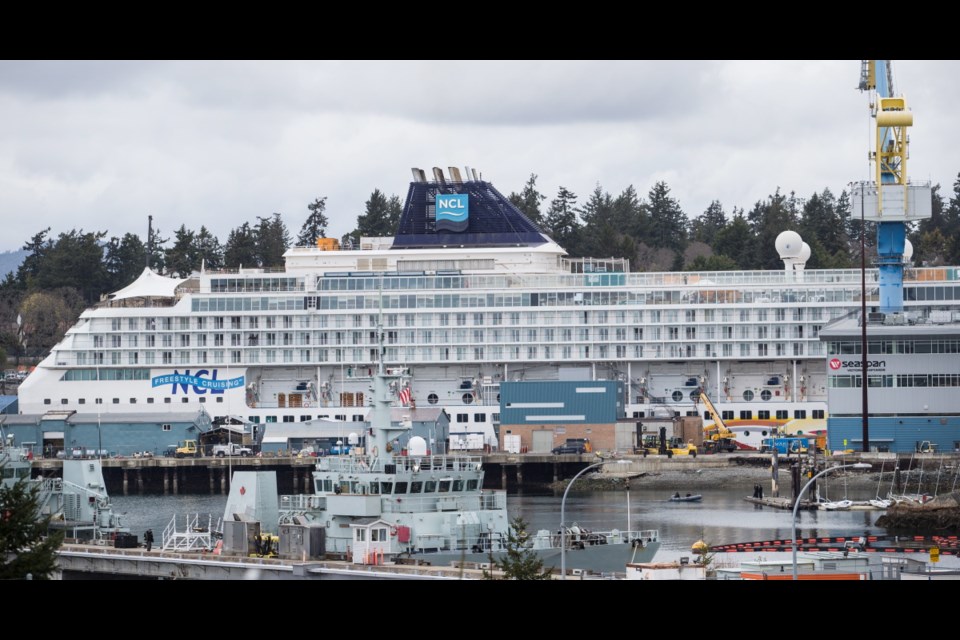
[[687, 498], [837, 505], [881, 503]]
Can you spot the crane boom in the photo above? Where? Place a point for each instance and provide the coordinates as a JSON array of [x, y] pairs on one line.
[[889, 199], [718, 437]]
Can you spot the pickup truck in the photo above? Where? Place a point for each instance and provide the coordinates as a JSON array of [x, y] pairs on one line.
[[232, 449], [573, 445]]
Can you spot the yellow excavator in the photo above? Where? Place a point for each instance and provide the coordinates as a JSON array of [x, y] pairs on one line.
[[717, 437]]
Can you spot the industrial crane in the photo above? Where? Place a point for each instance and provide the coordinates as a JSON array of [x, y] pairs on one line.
[[889, 199], [717, 437]]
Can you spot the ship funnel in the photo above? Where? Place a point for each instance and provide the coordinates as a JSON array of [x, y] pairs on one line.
[[468, 172], [473, 172], [455, 175], [438, 175], [418, 175]]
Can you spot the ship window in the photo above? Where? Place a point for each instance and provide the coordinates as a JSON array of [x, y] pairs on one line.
[[467, 398], [748, 395], [219, 398], [479, 417], [746, 415], [432, 398], [117, 400], [304, 418], [458, 485], [63, 401], [149, 401], [818, 414], [82, 401], [445, 486], [726, 415], [184, 400], [401, 487], [46, 401], [746, 434], [800, 414], [416, 487], [783, 414], [385, 487], [288, 418], [461, 417], [271, 418], [763, 433], [472, 485], [763, 415], [431, 486], [765, 395], [165, 401], [677, 396], [134, 400]]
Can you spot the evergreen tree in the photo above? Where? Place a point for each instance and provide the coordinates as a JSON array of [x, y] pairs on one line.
[[155, 247], [124, 260], [379, 219], [241, 248], [26, 547], [712, 263], [315, 225], [736, 241], [272, 239], [562, 223], [29, 269], [75, 260], [599, 232], [528, 201], [208, 249], [768, 219], [520, 561], [181, 259], [630, 215], [668, 223], [709, 223]]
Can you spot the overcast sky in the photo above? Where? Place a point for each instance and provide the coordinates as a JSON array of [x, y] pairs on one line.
[[100, 145]]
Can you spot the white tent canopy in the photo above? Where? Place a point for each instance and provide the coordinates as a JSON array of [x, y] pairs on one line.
[[150, 284]]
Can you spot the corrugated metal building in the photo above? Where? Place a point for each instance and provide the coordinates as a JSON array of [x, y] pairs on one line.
[[545, 413], [119, 434]]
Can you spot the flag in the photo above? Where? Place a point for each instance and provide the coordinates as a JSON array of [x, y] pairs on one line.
[[405, 396]]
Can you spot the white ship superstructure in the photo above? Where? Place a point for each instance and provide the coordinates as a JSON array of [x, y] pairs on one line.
[[463, 308]]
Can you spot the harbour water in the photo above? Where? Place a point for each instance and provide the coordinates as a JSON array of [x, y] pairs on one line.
[[721, 517]]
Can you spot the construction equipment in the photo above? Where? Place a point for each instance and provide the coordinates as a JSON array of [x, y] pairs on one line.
[[187, 449], [717, 437], [661, 445]]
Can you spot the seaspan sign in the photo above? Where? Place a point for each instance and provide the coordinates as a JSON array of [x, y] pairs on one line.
[[836, 364]]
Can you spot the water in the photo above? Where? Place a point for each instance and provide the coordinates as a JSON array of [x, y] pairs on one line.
[[722, 517]]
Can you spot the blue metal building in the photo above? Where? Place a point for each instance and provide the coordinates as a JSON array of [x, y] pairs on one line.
[[562, 402]]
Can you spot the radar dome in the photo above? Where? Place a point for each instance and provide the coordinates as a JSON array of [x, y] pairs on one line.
[[804, 253], [907, 251], [417, 446], [789, 244], [353, 439]]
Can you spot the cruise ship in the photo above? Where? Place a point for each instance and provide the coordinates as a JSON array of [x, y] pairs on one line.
[[469, 293]]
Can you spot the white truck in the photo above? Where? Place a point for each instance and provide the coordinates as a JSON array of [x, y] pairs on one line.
[[232, 449]]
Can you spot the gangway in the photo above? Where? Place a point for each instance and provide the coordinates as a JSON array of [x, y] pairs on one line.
[[194, 537]]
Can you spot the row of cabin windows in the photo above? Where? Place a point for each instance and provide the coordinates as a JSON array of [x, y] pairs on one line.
[[816, 414], [131, 400], [395, 488]]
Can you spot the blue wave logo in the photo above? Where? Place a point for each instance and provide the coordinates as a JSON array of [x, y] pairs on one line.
[[199, 382], [453, 212]]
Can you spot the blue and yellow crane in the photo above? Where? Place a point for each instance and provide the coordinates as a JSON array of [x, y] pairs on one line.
[[890, 199]]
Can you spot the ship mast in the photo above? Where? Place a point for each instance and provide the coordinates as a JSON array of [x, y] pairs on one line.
[[383, 431]]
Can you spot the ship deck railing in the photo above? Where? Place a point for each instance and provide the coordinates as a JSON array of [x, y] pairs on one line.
[[370, 464], [488, 501]]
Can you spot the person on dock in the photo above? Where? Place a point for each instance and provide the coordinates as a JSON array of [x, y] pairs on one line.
[[148, 539]]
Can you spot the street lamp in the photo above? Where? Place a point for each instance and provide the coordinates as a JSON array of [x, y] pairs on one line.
[[796, 504], [563, 522]]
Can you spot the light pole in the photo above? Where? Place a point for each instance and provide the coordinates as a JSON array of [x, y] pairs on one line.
[[796, 504], [563, 522]]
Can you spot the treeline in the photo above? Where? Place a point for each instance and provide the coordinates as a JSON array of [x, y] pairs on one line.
[[656, 234], [62, 275]]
